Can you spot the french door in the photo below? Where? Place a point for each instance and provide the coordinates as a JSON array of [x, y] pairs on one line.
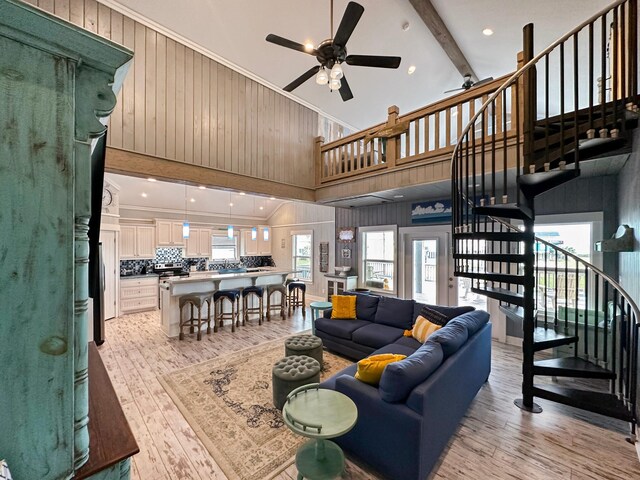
[[428, 269]]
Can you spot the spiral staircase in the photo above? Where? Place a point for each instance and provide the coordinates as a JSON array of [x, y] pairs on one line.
[[575, 102]]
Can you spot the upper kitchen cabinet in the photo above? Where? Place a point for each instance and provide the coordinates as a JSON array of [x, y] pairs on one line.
[[199, 243], [260, 245], [137, 241], [169, 233], [264, 240]]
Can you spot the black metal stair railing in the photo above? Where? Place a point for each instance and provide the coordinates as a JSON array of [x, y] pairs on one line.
[[573, 101]]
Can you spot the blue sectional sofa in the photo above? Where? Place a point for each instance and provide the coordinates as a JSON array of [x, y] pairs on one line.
[[405, 423]]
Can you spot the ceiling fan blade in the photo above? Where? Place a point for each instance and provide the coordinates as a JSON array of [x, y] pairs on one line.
[[482, 82], [378, 61], [455, 90], [348, 23], [302, 78], [345, 90], [284, 42]]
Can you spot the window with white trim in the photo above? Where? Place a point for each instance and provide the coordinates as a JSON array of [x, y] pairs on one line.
[[224, 248], [302, 257], [378, 258]]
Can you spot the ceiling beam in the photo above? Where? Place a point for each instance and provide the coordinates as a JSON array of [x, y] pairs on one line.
[[434, 23]]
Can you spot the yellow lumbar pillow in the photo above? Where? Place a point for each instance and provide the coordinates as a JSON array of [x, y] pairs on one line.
[[422, 329], [370, 369], [343, 306]]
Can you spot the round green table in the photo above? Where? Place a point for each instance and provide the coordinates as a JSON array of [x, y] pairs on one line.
[[316, 309], [319, 414]]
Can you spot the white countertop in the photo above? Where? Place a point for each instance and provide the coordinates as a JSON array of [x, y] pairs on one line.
[[213, 276]]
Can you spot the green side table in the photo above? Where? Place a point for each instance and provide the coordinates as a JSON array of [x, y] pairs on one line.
[[316, 310], [319, 414]]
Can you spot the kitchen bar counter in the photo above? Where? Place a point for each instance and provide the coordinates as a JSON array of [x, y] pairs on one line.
[[172, 289]]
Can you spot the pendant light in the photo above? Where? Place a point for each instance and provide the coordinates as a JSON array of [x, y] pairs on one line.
[[322, 78], [185, 225], [230, 227]]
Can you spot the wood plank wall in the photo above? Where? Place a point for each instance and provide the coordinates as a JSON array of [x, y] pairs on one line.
[[180, 105], [628, 188]]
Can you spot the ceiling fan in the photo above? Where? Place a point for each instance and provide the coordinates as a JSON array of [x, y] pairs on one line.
[[468, 83], [332, 53]]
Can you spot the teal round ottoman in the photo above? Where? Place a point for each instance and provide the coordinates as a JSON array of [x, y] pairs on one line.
[[308, 345], [290, 373]]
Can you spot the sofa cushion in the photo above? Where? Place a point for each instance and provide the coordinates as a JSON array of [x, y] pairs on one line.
[[330, 383], [396, 348], [339, 328], [343, 306], [399, 378], [450, 312], [370, 369], [395, 312], [450, 337], [473, 321], [423, 329], [376, 335], [366, 305], [408, 342]]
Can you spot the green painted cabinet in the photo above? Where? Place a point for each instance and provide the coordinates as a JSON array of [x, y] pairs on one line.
[[56, 81]]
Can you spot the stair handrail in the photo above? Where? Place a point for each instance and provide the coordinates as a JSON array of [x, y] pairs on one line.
[[586, 264], [527, 66]]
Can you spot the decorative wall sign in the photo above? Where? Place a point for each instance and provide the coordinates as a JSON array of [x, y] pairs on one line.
[[346, 253], [324, 256], [431, 213], [346, 234]]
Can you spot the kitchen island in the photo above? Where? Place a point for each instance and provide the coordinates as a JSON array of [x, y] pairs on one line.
[[172, 289]]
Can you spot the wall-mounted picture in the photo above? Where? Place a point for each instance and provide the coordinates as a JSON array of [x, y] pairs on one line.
[[346, 234], [346, 253], [431, 213]]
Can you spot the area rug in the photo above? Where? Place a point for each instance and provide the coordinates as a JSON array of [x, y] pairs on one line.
[[228, 403]]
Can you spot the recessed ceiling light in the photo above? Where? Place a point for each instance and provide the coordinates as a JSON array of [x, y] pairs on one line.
[[261, 208], [272, 198], [202, 187], [192, 200], [308, 46], [144, 195], [151, 179], [406, 26], [412, 69], [241, 193], [398, 196], [231, 204], [488, 32]]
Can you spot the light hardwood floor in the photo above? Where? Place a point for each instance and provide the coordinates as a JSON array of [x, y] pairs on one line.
[[495, 439]]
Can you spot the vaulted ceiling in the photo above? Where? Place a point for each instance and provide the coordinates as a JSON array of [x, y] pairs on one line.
[[235, 31]]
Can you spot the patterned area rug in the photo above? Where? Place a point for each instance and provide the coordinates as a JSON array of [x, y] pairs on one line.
[[228, 403]]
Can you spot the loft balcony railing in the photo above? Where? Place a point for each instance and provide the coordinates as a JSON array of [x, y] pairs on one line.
[[425, 135]]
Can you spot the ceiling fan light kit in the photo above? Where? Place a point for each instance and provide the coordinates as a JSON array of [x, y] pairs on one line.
[[332, 54]]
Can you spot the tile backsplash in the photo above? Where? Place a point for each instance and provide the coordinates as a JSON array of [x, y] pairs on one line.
[[166, 255]]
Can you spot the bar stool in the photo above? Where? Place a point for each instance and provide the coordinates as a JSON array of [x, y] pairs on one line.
[[271, 289], [246, 309], [233, 296], [196, 300], [297, 293]]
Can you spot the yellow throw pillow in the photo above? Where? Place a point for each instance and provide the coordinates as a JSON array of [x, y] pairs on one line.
[[343, 306], [422, 329], [370, 369]]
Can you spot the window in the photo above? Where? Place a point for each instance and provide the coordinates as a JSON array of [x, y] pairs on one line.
[[378, 258], [302, 243], [224, 248]]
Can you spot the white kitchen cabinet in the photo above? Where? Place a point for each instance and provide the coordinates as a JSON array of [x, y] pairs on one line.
[[249, 245], [138, 294], [199, 243], [169, 233], [127, 241], [264, 246], [137, 241], [259, 246]]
